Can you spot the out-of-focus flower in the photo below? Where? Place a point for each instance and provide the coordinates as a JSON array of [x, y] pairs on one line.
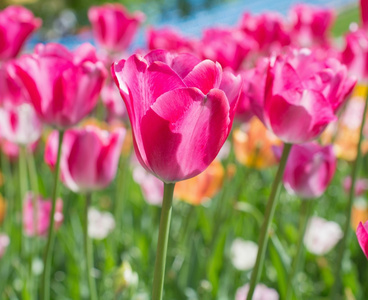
[[302, 95], [261, 292], [311, 24], [16, 25], [63, 86], [253, 145], [244, 110], [364, 12], [180, 109], [11, 150], [42, 215], [243, 254], [309, 169], [4, 242], [361, 185], [168, 39], [89, 157], [113, 27], [125, 277], [2, 209], [362, 235], [152, 187], [268, 29], [355, 55], [20, 124], [110, 97], [321, 235], [228, 46], [100, 224], [202, 187], [359, 212]]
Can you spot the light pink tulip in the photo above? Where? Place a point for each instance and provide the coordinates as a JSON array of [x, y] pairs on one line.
[[16, 25], [110, 97], [311, 24], [11, 150], [180, 109], [168, 39], [268, 29], [63, 86], [361, 185], [309, 170], [261, 292], [362, 235], [4, 243], [302, 95], [113, 27], [355, 54], [42, 215], [228, 46], [364, 12], [89, 157]]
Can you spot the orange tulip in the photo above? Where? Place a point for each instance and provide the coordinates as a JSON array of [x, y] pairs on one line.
[[2, 209], [359, 213]]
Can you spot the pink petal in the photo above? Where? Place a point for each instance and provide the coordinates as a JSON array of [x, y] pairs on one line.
[[362, 236]]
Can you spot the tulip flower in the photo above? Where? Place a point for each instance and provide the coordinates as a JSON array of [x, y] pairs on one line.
[[2, 209], [309, 170], [179, 140], [89, 157], [113, 27], [16, 25], [42, 214], [12, 150], [302, 95], [361, 185], [359, 212], [311, 24], [4, 243], [321, 235], [261, 292], [111, 99], [362, 236], [63, 86], [364, 12]]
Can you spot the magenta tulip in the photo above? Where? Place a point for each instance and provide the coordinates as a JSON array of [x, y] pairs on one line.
[[309, 170], [364, 12], [180, 109], [311, 24], [113, 27], [16, 25], [362, 235], [302, 95], [42, 214], [63, 86], [89, 157]]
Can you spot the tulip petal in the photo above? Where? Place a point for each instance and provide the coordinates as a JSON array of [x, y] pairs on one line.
[[191, 128], [362, 236]]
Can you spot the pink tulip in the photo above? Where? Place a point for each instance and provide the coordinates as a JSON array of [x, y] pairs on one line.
[[355, 55], [361, 185], [230, 47], [63, 86], [268, 29], [261, 292], [362, 235], [110, 97], [168, 39], [180, 109], [89, 157], [364, 12], [42, 215], [16, 25], [11, 150], [113, 27], [302, 95], [309, 170], [311, 24], [4, 243]]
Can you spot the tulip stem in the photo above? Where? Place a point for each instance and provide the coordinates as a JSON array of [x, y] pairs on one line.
[[51, 234], [305, 212], [163, 237], [22, 190], [270, 210], [354, 174], [88, 251]]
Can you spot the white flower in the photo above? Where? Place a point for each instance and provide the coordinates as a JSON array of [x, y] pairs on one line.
[[243, 254], [321, 235], [100, 224], [261, 292]]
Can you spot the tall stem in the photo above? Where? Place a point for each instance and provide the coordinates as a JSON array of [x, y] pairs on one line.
[[163, 237], [270, 210], [88, 251], [305, 212], [22, 189], [354, 174], [51, 234]]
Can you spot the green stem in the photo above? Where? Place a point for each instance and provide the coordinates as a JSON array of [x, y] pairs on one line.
[[306, 209], [22, 190], [163, 237], [270, 210], [88, 251], [45, 285], [354, 175]]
